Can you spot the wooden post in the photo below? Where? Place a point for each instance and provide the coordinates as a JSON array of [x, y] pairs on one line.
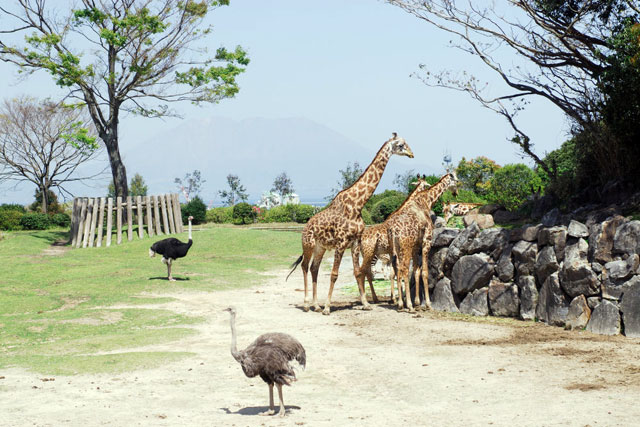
[[100, 222], [119, 219], [94, 220], [140, 216], [109, 220], [178, 212], [129, 218], [147, 202], [165, 220], [156, 214], [87, 223], [74, 221], [83, 214], [171, 213]]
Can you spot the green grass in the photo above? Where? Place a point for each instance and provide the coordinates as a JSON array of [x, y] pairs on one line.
[[60, 314]]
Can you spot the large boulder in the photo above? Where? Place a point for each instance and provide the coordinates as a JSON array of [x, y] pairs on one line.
[[546, 263], [579, 313], [460, 244], [476, 303], [630, 307], [526, 232], [528, 297], [577, 229], [615, 274], [442, 298], [504, 267], [576, 275], [436, 261], [553, 306], [524, 256], [483, 220], [551, 218], [443, 237], [471, 272], [627, 238], [601, 239], [491, 241], [554, 236], [503, 299], [605, 319]]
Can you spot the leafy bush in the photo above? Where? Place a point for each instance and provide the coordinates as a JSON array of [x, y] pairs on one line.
[[61, 220], [377, 197], [53, 206], [279, 214], [512, 184], [196, 208], [10, 219], [366, 216], [567, 162], [12, 207], [243, 213], [303, 213], [223, 215], [464, 196], [386, 207], [35, 221], [476, 174]]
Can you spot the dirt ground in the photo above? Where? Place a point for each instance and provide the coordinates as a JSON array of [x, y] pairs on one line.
[[376, 367]]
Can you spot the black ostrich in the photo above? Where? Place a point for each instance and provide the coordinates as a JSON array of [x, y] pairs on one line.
[[269, 356], [171, 249]]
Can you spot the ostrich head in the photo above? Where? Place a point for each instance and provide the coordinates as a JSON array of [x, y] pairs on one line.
[[231, 310], [190, 218], [399, 146], [152, 253]]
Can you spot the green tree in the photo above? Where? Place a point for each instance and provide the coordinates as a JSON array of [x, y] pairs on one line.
[[235, 193], [137, 187], [282, 185], [119, 56], [512, 184], [475, 174], [348, 176], [404, 181]]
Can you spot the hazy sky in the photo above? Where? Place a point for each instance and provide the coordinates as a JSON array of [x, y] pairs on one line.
[[346, 65]]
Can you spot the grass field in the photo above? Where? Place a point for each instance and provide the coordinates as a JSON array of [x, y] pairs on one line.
[[83, 310]]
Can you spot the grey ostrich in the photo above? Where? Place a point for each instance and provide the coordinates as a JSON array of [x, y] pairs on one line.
[[269, 356]]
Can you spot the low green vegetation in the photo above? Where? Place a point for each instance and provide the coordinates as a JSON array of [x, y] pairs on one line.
[[65, 311]]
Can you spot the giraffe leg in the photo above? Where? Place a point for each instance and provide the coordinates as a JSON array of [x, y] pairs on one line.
[[272, 409], [283, 411], [394, 275], [306, 255], [315, 268], [370, 280], [426, 247], [337, 258], [359, 270], [404, 276], [416, 277], [362, 272]]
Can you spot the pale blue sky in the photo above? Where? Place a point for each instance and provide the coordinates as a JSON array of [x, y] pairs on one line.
[[346, 65]]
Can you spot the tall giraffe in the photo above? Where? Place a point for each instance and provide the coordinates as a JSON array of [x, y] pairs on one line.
[[410, 235], [340, 224], [375, 241]]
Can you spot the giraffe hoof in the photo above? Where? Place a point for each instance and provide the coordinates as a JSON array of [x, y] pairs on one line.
[[367, 307], [317, 309], [326, 311], [306, 307]]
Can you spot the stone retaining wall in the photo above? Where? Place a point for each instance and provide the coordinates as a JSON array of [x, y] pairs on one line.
[[574, 275]]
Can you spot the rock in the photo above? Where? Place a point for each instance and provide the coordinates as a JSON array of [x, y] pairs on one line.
[[483, 220], [526, 232], [528, 297], [503, 299], [504, 268], [627, 238], [578, 278], [597, 216], [554, 236], [605, 319], [436, 260], [576, 250], [488, 208], [459, 245], [601, 239], [471, 272], [546, 263], [577, 229], [553, 306], [630, 307], [443, 237], [593, 301], [476, 303], [502, 216], [597, 267], [442, 298], [579, 313], [524, 257], [551, 218], [615, 274], [494, 239], [439, 222]]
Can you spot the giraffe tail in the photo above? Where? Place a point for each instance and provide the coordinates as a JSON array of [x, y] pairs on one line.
[[293, 267]]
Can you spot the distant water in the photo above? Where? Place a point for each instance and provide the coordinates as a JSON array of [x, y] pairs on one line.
[[317, 203]]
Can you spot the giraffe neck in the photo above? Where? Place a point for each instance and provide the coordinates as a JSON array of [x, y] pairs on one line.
[[429, 197], [357, 195]]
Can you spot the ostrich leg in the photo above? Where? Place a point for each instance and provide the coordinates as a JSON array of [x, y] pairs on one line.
[[272, 409], [169, 270], [282, 410]]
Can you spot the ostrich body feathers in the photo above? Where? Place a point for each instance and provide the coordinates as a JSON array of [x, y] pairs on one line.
[[171, 248]]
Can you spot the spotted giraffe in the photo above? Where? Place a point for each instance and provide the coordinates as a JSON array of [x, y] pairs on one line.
[[340, 224], [408, 233], [459, 209]]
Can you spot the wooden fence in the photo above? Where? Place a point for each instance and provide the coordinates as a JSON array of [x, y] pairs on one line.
[[158, 214]]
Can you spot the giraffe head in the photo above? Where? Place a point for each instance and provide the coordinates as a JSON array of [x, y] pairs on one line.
[[453, 183], [399, 146]]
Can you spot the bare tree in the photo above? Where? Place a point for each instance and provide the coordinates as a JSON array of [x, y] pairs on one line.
[[119, 56], [540, 48], [44, 143], [190, 185]]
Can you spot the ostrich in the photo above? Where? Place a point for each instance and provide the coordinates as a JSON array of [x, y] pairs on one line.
[[269, 356], [171, 249]]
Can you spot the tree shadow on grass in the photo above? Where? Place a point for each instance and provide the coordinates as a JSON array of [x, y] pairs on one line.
[[55, 238], [256, 410]]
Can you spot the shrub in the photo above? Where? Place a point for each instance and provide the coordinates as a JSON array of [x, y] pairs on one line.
[[464, 196], [223, 215], [476, 174], [12, 207], [279, 214], [377, 197], [303, 213], [386, 206], [35, 221], [243, 213], [512, 184], [61, 220], [10, 219], [366, 216], [196, 208]]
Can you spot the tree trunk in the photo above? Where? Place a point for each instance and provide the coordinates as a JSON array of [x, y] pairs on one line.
[[45, 199], [117, 167]]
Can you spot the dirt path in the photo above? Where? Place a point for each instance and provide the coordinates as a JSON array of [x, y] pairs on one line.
[[364, 368]]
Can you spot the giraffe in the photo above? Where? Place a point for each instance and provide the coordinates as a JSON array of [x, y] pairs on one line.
[[340, 224], [375, 242], [410, 236], [451, 209]]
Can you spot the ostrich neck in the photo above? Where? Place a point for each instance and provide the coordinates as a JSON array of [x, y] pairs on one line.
[[363, 188], [190, 238], [234, 348]]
